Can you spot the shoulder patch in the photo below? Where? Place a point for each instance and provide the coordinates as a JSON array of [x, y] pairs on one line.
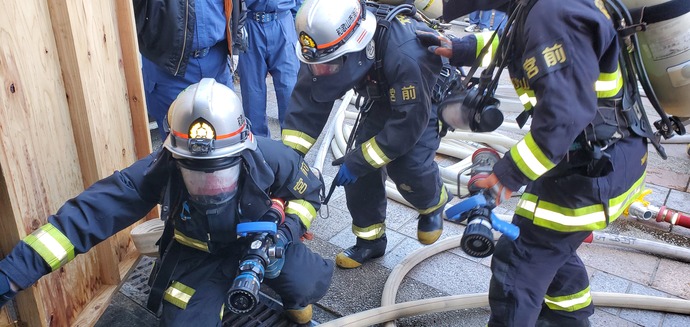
[[404, 93], [545, 59]]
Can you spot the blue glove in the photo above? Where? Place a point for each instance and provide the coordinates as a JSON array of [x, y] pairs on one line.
[[6, 293], [344, 176]]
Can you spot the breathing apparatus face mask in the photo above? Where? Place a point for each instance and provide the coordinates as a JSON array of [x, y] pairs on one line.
[[211, 182], [327, 68]]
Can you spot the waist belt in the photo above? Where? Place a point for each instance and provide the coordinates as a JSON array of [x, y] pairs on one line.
[[265, 17]]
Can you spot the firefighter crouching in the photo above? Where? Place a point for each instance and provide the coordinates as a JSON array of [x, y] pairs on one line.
[[211, 174], [582, 161], [397, 135]]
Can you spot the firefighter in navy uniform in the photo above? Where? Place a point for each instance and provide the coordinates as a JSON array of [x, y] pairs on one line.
[[398, 135], [211, 174], [583, 160]]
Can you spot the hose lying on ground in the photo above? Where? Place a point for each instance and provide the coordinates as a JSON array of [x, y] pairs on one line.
[[457, 144]]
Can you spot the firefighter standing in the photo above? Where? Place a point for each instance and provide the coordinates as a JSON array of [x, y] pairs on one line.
[[211, 175], [582, 160], [399, 135]]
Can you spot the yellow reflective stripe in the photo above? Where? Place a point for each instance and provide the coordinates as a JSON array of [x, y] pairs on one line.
[[302, 209], [179, 294], [526, 205], [618, 204], [609, 84], [482, 38], [190, 242], [373, 153], [529, 158], [564, 219], [568, 219], [443, 198], [52, 245], [570, 303], [527, 98], [369, 233], [297, 140], [222, 310]]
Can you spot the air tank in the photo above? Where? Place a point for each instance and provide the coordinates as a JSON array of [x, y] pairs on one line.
[[665, 49]]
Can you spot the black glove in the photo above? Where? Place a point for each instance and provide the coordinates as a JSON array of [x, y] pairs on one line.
[[436, 43], [6, 293]]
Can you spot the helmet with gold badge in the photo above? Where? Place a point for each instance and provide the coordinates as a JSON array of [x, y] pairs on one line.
[[208, 132]]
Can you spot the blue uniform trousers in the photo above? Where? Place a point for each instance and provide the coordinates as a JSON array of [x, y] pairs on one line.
[[271, 50], [162, 88]]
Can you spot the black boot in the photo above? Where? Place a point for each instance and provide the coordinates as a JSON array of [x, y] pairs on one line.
[[429, 228], [361, 252]]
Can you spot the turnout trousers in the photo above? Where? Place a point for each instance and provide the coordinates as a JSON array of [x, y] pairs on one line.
[[200, 281], [416, 176], [539, 278]]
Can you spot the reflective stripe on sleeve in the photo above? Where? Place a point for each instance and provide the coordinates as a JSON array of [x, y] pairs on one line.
[[297, 140], [569, 303], [302, 209], [609, 84], [527, 98], [370, 232], [482, 39], [52, 245], [373, 154], [179, 294], [529, 158]]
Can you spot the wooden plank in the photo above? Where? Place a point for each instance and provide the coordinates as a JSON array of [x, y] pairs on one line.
[[96, 306], [135, 87], [58, 136], [38, 158], [132, 70]]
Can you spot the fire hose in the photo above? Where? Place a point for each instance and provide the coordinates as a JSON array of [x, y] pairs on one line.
[[460, 145]]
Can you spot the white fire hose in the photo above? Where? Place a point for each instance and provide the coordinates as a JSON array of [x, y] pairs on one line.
[[461, 145]]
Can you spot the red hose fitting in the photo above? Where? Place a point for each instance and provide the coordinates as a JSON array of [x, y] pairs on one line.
[[673, 217]]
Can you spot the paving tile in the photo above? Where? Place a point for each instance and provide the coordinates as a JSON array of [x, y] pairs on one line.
[[337, 221], [453, 274], [411, 290], [618, 262], [605, 319], [679, 201], [673, 277], [643, 317], [604, 282], [676, 320]]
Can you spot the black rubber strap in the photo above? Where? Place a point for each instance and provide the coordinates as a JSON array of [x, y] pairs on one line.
[[661, 12]]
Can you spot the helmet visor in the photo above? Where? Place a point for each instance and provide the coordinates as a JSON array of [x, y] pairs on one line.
[[210, 185], [327, 68]]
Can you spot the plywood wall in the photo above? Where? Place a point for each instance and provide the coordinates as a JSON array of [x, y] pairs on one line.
[[71, 112]]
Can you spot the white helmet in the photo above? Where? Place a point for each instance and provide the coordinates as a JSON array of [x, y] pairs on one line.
[[208, 132], [206, 121], [328, 29]]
